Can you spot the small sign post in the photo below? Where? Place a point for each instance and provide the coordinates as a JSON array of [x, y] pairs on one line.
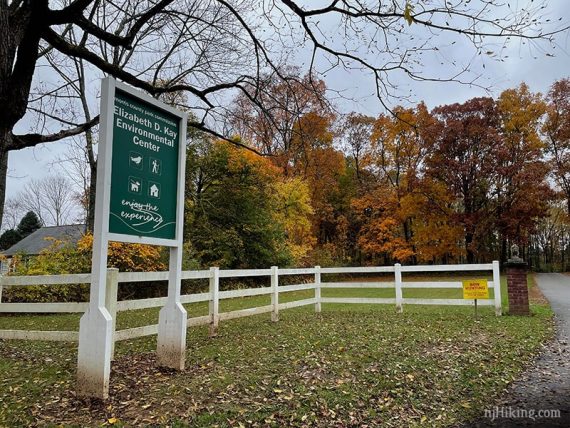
[[140, 199], [475, 289]]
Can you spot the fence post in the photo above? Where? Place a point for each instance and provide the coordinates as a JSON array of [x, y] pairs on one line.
[[214, 306], [399, 298], [111, 302], [275, 293], [497, 288], [318, 289]]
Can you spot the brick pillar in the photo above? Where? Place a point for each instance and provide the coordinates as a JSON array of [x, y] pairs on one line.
[[517, 286]]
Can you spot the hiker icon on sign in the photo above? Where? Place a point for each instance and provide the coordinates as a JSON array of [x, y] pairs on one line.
[[155, 166]]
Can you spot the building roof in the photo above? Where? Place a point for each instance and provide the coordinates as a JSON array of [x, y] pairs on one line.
[[35, 242]]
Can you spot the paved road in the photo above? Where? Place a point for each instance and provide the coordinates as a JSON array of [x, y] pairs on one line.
[[556, 288], [545, 386]]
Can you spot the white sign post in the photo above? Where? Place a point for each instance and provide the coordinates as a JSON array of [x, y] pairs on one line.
[[140, 199]]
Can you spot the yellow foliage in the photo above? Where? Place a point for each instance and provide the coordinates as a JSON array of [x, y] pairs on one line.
[[408, 13], [62, 257], [521, 112], [293, 212], [399, 143], [127, 257]]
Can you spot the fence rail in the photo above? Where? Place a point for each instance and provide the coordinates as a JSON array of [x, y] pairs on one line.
[[214, 295]]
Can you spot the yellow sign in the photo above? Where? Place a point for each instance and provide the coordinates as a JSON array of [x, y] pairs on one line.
[[475, 289]]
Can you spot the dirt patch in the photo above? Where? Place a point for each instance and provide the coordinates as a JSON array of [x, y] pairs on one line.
[[136, 385], [535, 296]]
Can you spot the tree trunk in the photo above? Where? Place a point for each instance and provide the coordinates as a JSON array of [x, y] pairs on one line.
[[503, 255], [19, 47], [468, 242], [3, 173]]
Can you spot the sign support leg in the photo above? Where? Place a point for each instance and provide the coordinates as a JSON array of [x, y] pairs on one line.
[[172, 320], [96, 325], [95, 332]]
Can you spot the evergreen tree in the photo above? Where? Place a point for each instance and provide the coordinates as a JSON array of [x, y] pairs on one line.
[[29, 224], [9, 238]]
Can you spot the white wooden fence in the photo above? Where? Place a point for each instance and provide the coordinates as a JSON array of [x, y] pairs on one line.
[[214, 295]]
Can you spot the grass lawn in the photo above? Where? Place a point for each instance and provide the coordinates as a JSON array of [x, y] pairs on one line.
[[352, 365]]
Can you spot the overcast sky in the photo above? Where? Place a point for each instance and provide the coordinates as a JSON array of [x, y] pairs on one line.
[[521, 63]]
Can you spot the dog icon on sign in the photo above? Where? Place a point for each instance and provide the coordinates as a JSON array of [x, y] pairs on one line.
[[135, 185]]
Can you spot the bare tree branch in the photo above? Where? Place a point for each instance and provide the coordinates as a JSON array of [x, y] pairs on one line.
[[30, 140]]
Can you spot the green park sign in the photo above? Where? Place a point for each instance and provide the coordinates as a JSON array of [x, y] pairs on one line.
[[144, 169], [139, 199]]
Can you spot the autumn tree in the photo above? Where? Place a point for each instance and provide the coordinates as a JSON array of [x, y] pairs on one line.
[[550, 241], [557, 131], [490, 155], [211, 49], [274, 126], [399, 146], [294, 211], [437, 235], [380, 234], [397, 153], [317, 161], [356, 134], [230, 215], [464, 157], [63, 256], [521, 192]]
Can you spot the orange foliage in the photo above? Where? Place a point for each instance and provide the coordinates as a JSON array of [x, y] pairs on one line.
[[381, 232], [240, 159]]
